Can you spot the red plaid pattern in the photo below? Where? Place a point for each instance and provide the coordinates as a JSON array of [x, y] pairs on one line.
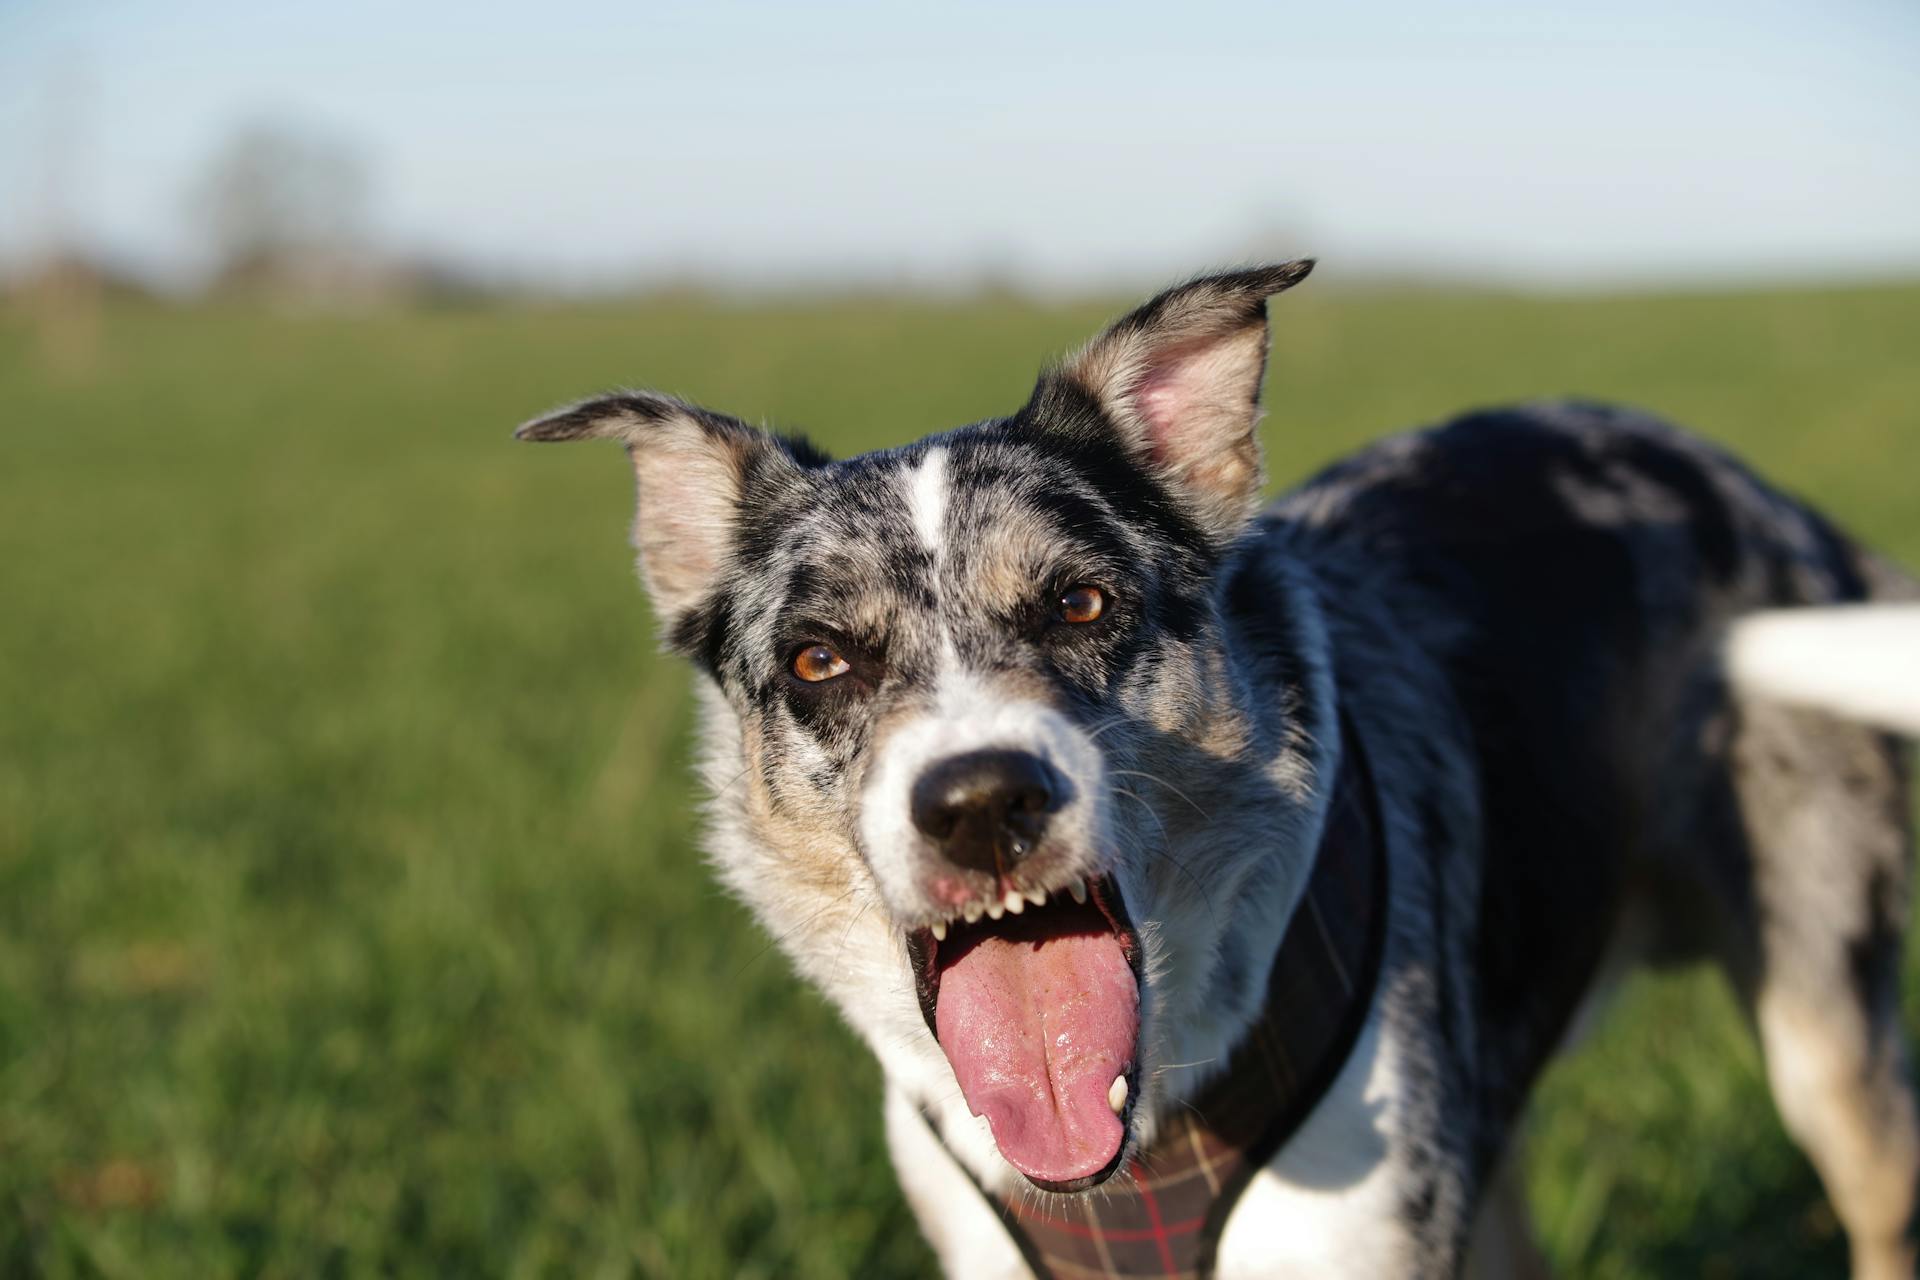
[[1163, 1215]]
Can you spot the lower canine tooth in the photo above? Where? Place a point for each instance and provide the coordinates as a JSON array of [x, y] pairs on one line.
[[971, 911], [1117, 1094], [1015, 903], [1079, 890], [940, 931]]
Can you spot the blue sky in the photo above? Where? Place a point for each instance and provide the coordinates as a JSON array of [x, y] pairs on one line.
[[587, 143]]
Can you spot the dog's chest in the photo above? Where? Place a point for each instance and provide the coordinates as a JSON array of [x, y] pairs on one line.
[[1332, 1201]]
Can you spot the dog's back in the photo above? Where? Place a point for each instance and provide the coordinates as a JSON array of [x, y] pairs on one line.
[[1569, 574]]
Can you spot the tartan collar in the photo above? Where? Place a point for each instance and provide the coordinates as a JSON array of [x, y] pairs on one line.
[[1165, 1219]]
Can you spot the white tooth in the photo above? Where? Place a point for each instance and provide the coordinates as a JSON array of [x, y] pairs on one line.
[[1117, 1094], [940, 931], [1038, 897], [971, 911], [1015, 903], [1078, 888], [995, 910]]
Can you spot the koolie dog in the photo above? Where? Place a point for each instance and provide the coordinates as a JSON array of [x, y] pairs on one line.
[[1213, 883]]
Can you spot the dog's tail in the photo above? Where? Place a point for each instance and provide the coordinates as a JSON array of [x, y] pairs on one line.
[[1857, 661]]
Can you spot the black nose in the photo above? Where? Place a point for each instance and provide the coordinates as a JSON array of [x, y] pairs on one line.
[[986, 809]]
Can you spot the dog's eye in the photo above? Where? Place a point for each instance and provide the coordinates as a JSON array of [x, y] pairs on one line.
[[817, 662], [1081, 604]]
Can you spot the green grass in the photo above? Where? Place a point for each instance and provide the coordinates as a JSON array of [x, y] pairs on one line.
[[351, 919]]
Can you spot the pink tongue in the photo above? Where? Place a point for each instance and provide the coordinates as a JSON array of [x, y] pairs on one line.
[[1036, 1029]]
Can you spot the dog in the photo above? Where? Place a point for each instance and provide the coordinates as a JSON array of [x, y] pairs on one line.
[[1212, 883]]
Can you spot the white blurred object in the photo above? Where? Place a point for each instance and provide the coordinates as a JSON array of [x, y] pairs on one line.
[[1857, 661]]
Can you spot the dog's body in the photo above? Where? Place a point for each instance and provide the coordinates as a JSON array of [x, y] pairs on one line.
[[966, 677]]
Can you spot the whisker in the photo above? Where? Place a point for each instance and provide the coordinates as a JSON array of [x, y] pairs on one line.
[[776, 941], [1167, 853], [1166, 838], [1135, 773], [846, 933]]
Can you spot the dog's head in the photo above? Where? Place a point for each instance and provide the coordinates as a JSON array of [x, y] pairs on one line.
[[978, 747]]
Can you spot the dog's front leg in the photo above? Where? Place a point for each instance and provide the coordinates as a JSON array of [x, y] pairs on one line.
[[954, 1216]]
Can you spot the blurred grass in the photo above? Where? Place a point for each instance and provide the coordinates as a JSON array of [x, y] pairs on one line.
[[350, 914]]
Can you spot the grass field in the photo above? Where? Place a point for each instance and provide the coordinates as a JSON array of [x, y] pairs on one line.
[[351, 918]]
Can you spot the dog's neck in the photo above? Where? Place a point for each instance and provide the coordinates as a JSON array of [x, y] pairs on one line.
[[1210, 958]]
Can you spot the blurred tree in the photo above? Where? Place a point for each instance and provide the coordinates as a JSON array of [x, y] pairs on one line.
[[284, 214], [61, 288]]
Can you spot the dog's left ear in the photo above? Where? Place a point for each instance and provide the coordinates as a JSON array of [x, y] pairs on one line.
[[1179, 379]]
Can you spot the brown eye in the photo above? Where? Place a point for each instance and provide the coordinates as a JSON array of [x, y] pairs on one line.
[[817, 662], [1082, 604]]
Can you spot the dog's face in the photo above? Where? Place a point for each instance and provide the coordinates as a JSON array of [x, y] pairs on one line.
[[962, 696]]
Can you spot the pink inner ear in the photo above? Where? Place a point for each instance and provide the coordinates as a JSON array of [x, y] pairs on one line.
[[1191, 396]]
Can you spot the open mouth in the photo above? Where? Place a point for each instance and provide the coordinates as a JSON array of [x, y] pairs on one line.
[[1037, 1007]]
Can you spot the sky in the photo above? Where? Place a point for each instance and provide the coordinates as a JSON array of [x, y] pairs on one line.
[[586, 145]]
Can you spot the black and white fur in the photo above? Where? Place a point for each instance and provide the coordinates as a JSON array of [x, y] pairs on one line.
[[1526, 613]]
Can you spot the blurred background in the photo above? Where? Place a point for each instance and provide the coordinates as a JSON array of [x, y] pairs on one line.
[[351, 912]]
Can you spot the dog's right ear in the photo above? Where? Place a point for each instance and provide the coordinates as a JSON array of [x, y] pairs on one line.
[[694, 470]]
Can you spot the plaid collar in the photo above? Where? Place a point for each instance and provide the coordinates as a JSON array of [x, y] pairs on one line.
[[1164, 1220]]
